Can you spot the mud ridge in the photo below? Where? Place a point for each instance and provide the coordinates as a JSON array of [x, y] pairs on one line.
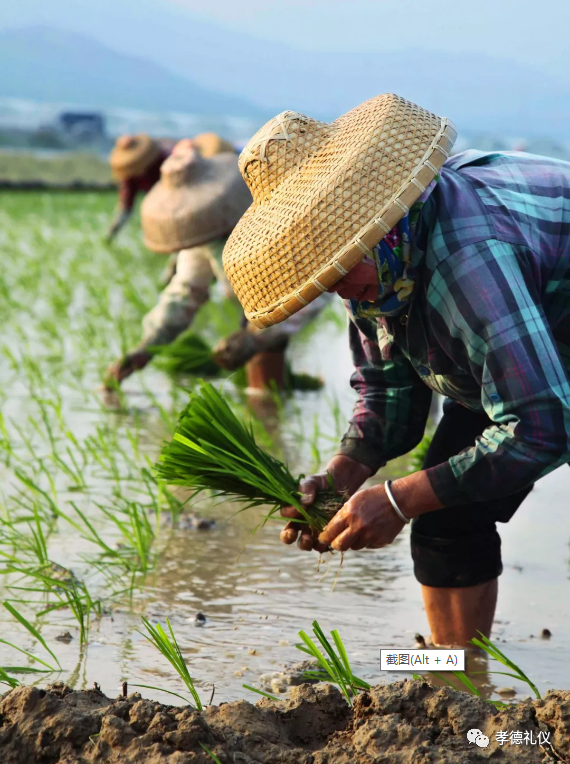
[[402, 723]]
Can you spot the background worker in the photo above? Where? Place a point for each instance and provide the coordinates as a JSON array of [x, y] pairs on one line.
[[136, 161], [456, 280], [191, 211]]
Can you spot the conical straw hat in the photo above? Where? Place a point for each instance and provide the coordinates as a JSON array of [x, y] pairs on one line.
[[132, 155], [210, 144], [206, 144], [324, 195], [196, 200]]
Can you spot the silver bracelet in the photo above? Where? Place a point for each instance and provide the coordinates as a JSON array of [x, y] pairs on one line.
[[392, 501]]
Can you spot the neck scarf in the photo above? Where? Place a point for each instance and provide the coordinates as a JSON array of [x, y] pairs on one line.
[[392, 256]]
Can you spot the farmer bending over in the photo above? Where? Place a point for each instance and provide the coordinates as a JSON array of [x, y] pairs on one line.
[[190, 212], [136, 161], [456, 280]]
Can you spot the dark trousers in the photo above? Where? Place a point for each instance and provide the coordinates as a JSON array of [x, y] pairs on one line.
[[460, 546]]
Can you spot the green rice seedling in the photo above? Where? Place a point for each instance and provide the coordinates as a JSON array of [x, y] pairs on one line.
[[169, 648], [74, 595], [210, 754], [103, 446], [137, 533], [134, 553], [493, 652], [294, 382], [218, 318], [35, 633], [68, 591], [21, 546], [169, 418], [460, 675], [36, 489], [213, 450], [188, 354], [6, 449], [6, 671], [5, 678], [302, 381], [163, 498], [334, 664], [260, 692], [25, 440], [496, 654]]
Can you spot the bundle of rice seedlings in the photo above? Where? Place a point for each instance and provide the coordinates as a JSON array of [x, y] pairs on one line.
[[213, 450], [300, 382], [188, 354]]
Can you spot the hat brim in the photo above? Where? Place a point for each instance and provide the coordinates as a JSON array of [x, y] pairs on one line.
[[287, 222], [132, 162], [205, 208]]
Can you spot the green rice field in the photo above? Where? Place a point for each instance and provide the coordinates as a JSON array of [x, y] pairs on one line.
[[53, 168], [91, 542]]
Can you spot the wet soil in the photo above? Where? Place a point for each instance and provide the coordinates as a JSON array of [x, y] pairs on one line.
[[405, 722]]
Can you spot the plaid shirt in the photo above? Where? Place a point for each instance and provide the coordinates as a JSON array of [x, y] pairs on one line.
[[488, 326]]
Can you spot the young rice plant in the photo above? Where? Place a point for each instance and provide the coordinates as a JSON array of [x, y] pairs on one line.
[[213, 450]]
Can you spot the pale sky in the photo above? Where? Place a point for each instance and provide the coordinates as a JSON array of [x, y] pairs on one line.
[[531, 31]]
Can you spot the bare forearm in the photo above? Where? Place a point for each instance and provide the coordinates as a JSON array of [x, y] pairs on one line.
[[415, 495], [119, 221]]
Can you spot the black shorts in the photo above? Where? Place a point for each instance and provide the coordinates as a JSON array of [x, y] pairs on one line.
[[460, 546]]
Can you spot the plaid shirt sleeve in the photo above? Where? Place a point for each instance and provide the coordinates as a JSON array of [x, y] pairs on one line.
[[485, 311], [391, 412]]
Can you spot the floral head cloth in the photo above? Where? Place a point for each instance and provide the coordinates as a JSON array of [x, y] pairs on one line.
[[391, 256]]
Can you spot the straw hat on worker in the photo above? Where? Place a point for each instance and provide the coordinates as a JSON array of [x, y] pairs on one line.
[[197, 199], [133, 154], [324, 194]]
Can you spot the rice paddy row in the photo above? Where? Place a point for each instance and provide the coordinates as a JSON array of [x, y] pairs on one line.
[[80, 508]]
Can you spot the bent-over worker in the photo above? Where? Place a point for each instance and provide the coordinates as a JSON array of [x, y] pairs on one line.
[[136, 161], [190, 212], [455, 274]]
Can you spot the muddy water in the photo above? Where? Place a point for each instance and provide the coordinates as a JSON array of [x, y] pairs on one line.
[[257, 594]]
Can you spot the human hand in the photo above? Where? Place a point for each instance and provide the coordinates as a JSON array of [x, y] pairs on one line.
[[347, 477], [125, 366], [236, 350], [367, 520]]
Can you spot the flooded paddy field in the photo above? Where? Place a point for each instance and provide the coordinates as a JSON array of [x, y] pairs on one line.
[[90, 542]]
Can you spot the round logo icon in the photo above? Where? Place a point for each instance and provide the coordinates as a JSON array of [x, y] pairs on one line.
[[477, 737]]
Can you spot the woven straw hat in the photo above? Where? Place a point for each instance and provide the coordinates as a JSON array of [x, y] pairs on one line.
[[210, 144], [132, 155], [324, 195], [196, 200]]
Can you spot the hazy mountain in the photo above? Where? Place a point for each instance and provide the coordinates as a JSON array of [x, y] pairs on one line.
[[477, 92], [51, 65]]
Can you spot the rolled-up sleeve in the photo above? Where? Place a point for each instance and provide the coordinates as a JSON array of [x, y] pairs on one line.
[[179, 302], [128, 190], [486, 308], [392, 408]]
